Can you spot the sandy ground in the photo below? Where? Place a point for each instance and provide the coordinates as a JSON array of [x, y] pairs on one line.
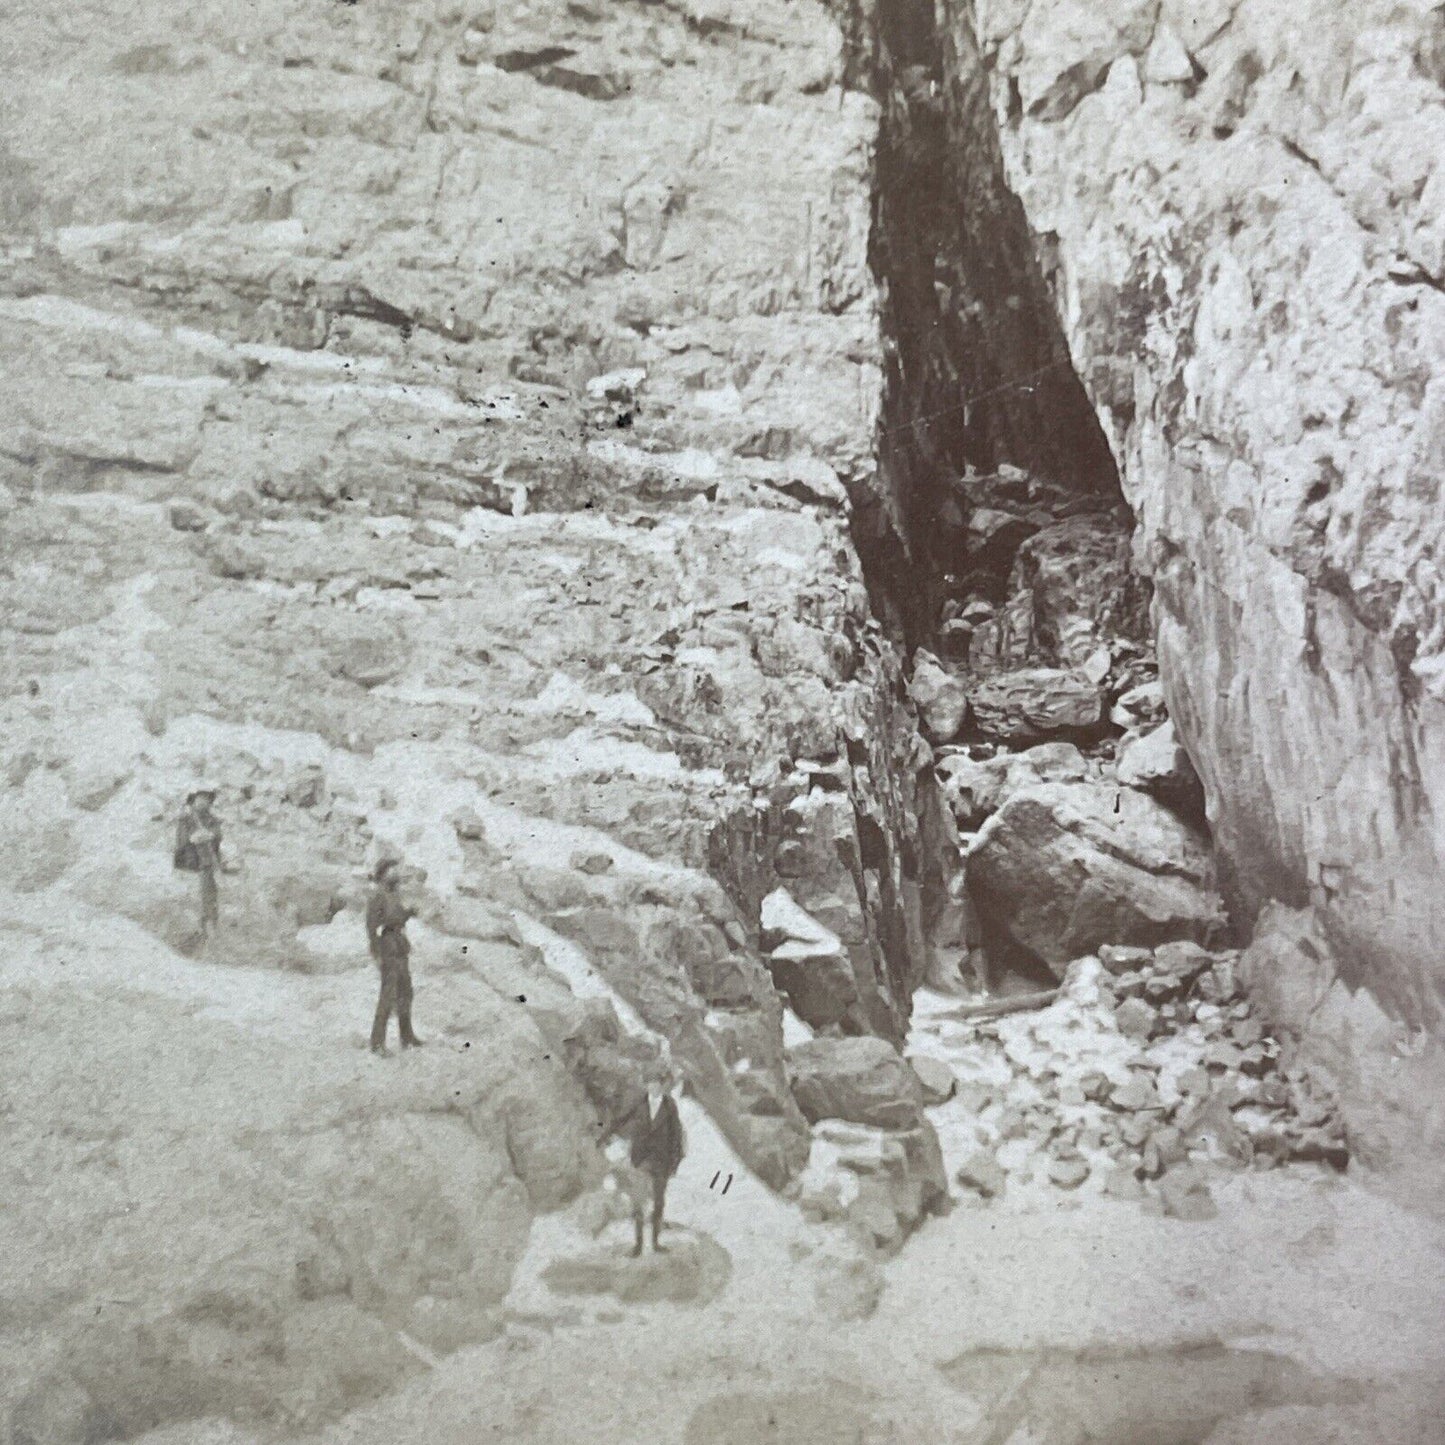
[[1332, 1291], [1324, 1273]]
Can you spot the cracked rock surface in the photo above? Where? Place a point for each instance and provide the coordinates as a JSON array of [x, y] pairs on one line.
[[434, 427], [1241, 212]]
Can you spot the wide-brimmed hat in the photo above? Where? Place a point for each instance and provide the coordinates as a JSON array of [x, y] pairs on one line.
[[383, 867], [205, 792]]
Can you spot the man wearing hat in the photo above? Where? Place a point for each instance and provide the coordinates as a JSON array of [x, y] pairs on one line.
[[198, 850], [386, 920], [655, 1129]]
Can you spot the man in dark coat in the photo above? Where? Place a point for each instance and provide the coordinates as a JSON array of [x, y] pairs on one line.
[[198, 850], [386, 920], [657, 1148]]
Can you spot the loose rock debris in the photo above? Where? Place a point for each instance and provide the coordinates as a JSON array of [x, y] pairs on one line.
[[1148, 1076]]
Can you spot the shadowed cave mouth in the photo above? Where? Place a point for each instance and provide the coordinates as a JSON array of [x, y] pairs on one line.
[[997, 537], [977, 372]]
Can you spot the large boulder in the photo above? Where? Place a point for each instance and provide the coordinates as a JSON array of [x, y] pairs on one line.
[[880, 1182], [1079, 589], [1063, 868], [1035, 703], [1156, 764], [807, 961], [940, 697], [976, 788], [864, 1080]]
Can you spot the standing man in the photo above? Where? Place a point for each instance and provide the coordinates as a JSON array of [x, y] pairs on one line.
[[198, 850], [386, 920], [657, 1147]]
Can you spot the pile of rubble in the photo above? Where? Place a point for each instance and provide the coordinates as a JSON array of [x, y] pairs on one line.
[[1075, 850], [875, 1162], [1147, 1073]]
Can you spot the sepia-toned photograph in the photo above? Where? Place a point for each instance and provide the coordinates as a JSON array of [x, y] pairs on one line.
[[722, 722]]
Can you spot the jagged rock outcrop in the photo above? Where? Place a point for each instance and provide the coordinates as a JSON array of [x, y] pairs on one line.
[[438, 428], [858, 836], [1239, 209]]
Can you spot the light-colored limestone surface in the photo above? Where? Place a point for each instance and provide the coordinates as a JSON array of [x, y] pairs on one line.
[[1244, 205], [431, 425]]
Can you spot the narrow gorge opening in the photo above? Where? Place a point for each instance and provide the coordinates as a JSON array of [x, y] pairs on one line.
[[996, 544], [1082, 996], [977, 371]]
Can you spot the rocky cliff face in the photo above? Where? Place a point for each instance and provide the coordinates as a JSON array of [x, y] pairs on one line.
[[1235, 212], [1246, 208], [518, 437], [435, 427]]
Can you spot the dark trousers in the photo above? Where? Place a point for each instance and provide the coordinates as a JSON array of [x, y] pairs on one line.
[[395, 998], [210, 900], [659, 1195]]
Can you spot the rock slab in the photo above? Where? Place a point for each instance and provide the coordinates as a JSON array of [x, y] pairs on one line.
[[862, 1080], [1063, 868], [1035, 703]]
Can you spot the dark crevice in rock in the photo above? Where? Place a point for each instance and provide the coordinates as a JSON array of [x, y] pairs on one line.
[[1410, 273], [524, 60], [583, 83], [1080, 80], [977, 372], [996, 544], [1302, 155]]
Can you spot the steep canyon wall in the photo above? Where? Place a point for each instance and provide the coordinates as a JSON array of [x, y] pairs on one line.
[[435, 426], [1248, 212], [1240, 210]]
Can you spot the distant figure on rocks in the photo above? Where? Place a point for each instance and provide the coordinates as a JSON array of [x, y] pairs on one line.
[[198, 850], [386, 920], [657, 1149]]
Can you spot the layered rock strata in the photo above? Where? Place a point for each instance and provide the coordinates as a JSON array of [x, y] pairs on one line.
[[435, 428]]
